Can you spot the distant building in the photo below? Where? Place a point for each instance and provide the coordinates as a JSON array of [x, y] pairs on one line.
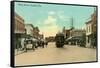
[[50, 38], [66, 33], [19, 24], [77, 36], [91, 31], [77, 32], [36, 32], [41, 36], [29, 30], [32, 31]]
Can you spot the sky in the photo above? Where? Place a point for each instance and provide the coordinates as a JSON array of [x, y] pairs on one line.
[[51, 18]]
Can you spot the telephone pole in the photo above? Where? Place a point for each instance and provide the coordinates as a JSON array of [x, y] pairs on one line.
[[71, 21]]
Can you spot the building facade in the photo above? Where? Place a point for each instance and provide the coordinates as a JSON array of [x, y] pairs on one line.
[[91, 31], [29, 30], [19, 24], [77, 37], [36, 32], [66, 33], [77, 32], [19, 30]]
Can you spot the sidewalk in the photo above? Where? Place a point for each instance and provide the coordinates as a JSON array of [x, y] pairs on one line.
[[17, 52]]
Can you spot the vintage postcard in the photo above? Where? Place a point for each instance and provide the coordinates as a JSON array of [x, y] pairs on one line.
[[52, 33]]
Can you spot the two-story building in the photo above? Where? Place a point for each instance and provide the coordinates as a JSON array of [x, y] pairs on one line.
[[19, 29], [77, 32], [77, 36], [29, 30], [91, 31]]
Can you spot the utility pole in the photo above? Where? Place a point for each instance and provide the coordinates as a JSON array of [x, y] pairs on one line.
[[71, 21], [71, 26]]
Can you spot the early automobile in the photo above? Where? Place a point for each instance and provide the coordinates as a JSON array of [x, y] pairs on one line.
[[35, 42], [29, 44], [59, 39]]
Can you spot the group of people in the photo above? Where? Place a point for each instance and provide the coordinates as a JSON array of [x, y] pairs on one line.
[[23, 43]]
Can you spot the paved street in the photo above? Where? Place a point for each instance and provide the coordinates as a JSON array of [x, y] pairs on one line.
[[51, 55]]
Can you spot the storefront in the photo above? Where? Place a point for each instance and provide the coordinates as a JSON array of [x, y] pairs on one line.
[[19, 30]]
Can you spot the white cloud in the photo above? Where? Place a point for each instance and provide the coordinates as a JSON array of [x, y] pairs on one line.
[[59, 14], [51, 12], [50, 27], [50, 21]]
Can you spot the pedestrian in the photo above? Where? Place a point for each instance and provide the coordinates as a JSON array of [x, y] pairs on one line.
[[18, 44], [22, 43], [46, 43], [33, 44]]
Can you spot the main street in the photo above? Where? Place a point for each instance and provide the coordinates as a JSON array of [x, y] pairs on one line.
[[51, 55]]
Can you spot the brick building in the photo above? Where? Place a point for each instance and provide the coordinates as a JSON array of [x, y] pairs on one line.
[[91, 31], [19, 30]]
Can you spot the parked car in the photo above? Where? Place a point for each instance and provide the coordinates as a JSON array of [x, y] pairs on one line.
[[35, 42], [29, 44]]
